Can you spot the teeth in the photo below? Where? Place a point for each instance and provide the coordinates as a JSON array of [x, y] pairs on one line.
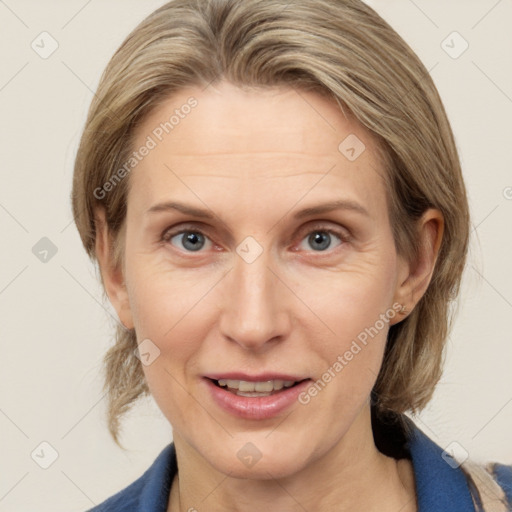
[[260, 387]]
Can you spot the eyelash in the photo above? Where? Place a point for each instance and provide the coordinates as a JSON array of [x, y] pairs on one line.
[[168, 234]]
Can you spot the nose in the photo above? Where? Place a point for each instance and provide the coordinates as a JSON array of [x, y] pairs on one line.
[[254, 311]]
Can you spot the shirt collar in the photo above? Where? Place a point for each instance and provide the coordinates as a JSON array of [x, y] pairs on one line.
[[440, 485]]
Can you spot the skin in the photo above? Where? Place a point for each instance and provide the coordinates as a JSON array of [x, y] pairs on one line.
[[254, 158]]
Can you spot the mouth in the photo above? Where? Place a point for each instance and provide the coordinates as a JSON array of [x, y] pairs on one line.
[[260, 397], [253, 389]]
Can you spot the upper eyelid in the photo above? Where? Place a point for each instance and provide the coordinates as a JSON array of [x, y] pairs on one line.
[[203, 228], [195, 226]]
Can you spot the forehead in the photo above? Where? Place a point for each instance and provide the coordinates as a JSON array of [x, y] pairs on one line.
[[276, 136]]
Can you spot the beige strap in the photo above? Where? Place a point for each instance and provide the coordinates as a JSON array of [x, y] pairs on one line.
[[487, 495]]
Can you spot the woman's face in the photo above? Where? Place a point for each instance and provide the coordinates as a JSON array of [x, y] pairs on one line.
[[259, 284]]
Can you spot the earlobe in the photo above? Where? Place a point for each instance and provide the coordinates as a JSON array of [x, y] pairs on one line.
[[112, 277], [414, 280]]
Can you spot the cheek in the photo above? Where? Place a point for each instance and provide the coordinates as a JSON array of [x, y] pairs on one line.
[[356, 306], [352, 299], [162, 296], [173, 310], [169, 312]]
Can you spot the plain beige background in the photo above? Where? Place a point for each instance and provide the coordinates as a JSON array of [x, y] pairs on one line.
[[54, 326]]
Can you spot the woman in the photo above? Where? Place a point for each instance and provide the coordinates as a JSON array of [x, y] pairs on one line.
[[227, 140]]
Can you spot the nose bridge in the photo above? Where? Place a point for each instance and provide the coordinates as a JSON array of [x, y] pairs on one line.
[[254, 313]]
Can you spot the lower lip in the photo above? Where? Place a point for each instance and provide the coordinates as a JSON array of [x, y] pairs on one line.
[[255, 408]]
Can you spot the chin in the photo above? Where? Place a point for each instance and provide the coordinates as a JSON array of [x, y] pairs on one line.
[[257, 458], [267, 468]]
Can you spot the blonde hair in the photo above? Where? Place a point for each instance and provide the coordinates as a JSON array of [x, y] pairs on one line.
[[340, 48]]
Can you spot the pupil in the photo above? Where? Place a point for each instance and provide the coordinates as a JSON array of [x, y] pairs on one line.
[[322, 238], [194, 240]]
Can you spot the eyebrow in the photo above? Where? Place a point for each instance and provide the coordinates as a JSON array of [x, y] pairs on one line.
[[181, 207], [340, 204]]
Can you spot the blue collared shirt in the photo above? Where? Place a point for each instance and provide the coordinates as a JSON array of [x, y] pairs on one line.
[[440, 487]]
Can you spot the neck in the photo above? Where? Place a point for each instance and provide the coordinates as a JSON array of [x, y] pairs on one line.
[[353, 475]]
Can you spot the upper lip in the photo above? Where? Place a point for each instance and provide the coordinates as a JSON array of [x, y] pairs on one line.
[[261, 377]]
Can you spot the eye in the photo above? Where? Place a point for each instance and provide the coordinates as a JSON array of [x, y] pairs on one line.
[[193, 240], [190, 240], [322, 239]]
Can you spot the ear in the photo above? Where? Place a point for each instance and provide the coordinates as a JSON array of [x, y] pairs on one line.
[[113, 279], [414, 277]]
